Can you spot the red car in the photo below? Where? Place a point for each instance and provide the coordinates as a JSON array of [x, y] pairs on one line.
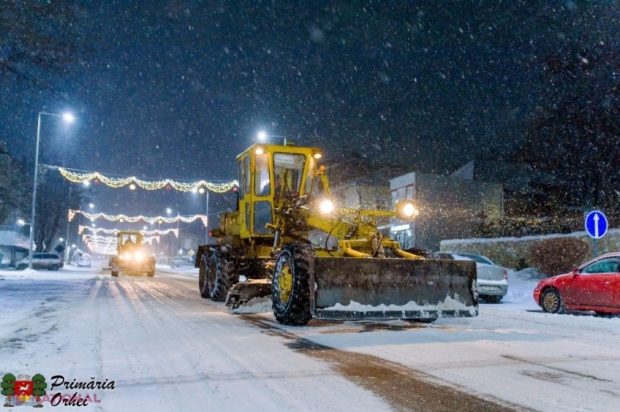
[[593, 286]]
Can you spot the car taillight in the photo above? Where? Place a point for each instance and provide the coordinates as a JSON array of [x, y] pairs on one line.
[[505, 274]]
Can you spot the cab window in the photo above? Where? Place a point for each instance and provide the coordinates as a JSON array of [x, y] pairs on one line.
[[288, 172], [262, 185], [241, 178], [246, 174]]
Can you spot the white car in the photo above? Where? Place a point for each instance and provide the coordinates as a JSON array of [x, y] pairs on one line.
[[83, 261], [49, 261], [180, 263], [492, 283]]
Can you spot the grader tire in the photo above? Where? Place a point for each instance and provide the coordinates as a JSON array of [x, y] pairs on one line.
[[203, 285], [290, 288], [220, 276]]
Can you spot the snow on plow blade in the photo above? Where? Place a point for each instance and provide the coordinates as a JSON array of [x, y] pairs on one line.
[[354, 288]]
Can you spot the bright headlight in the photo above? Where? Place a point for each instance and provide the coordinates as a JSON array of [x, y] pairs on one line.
[[408, 210], [139, 255], [326, 206]]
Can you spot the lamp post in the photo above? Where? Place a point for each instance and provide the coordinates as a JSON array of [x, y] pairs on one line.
[[201, 191], [262, 136], [67, 117]]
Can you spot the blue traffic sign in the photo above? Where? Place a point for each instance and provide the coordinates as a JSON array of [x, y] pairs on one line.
[[596, 224]]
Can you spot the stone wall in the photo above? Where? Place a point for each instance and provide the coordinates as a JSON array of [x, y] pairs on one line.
[[509, 251]]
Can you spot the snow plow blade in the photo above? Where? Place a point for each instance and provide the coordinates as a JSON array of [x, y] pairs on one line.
[[356, 289]]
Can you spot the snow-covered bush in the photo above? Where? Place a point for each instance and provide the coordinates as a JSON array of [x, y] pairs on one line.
[[558, 255]]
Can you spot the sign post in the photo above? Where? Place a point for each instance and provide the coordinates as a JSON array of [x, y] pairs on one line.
[[596, 226]]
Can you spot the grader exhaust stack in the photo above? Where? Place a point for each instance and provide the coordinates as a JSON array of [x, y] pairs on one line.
[[289, 238]]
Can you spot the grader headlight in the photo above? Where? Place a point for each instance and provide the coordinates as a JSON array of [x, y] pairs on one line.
[[326, 206], [138, 256], [406, 210]]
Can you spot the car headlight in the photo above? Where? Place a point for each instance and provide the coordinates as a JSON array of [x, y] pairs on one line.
[[139, 255], [326, 206], [406, 210]]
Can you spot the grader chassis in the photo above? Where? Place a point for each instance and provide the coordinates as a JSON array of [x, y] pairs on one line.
[[288, 239]]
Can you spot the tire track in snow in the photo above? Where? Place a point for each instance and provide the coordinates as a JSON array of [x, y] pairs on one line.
[[182, 352], [405, 389]]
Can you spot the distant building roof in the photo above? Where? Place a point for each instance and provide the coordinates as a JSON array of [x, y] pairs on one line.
[[8, 238]]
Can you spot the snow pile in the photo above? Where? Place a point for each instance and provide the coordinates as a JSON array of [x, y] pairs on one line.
[[448, 304], [521, 285], [255, 305]]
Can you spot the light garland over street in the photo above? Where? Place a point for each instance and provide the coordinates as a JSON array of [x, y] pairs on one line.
[[134, 219], [116, 231], [132, 181]]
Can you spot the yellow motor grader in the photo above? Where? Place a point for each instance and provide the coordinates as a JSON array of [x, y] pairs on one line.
[[289, 239], [131, 258]]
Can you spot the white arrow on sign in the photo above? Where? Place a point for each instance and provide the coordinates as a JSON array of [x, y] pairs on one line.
[[595, 218]]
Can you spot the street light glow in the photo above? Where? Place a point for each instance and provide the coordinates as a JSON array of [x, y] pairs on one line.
[[262, 136], [201, 190], [68, 117], [21, 222], [86, 183], [168, 210], [91, 205]]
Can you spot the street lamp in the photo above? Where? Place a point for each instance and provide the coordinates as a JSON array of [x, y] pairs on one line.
[[67, 117], [91, 205], [262, 136]]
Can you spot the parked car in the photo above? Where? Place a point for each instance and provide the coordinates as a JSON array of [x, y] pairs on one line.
[[83, 260], [49, 261], [177, 263], [492, 280], [593, 286]]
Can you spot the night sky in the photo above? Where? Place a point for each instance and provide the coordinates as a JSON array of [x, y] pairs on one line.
[[178, 88]]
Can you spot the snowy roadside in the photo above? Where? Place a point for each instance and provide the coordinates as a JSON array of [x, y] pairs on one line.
[[185, 270], [512, 351]]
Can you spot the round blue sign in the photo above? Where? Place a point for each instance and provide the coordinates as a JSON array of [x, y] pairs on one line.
[[596, 224]]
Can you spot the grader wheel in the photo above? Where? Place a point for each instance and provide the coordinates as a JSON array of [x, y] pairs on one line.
[[220, 276], [290, 288], [203, 285]]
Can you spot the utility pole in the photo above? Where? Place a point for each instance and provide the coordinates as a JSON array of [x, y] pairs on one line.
[[67, 237], [208, 220]]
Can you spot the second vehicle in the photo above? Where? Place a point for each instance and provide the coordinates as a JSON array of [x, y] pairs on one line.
[[492, 281]]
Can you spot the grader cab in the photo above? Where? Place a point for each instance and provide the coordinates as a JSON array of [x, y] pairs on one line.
[[290, 239], [131, 259]]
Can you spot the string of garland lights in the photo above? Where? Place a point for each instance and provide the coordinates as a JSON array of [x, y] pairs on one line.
[[134, 219], [132, 181], [111, 241], [82, 228]]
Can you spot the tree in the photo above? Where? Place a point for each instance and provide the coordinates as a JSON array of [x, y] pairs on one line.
[[55, 196], [38, 39], [14, 189], [39, 386], [8, 387], [574, 134]]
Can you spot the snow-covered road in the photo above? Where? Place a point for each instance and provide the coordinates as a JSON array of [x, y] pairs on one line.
[[168, 349]]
